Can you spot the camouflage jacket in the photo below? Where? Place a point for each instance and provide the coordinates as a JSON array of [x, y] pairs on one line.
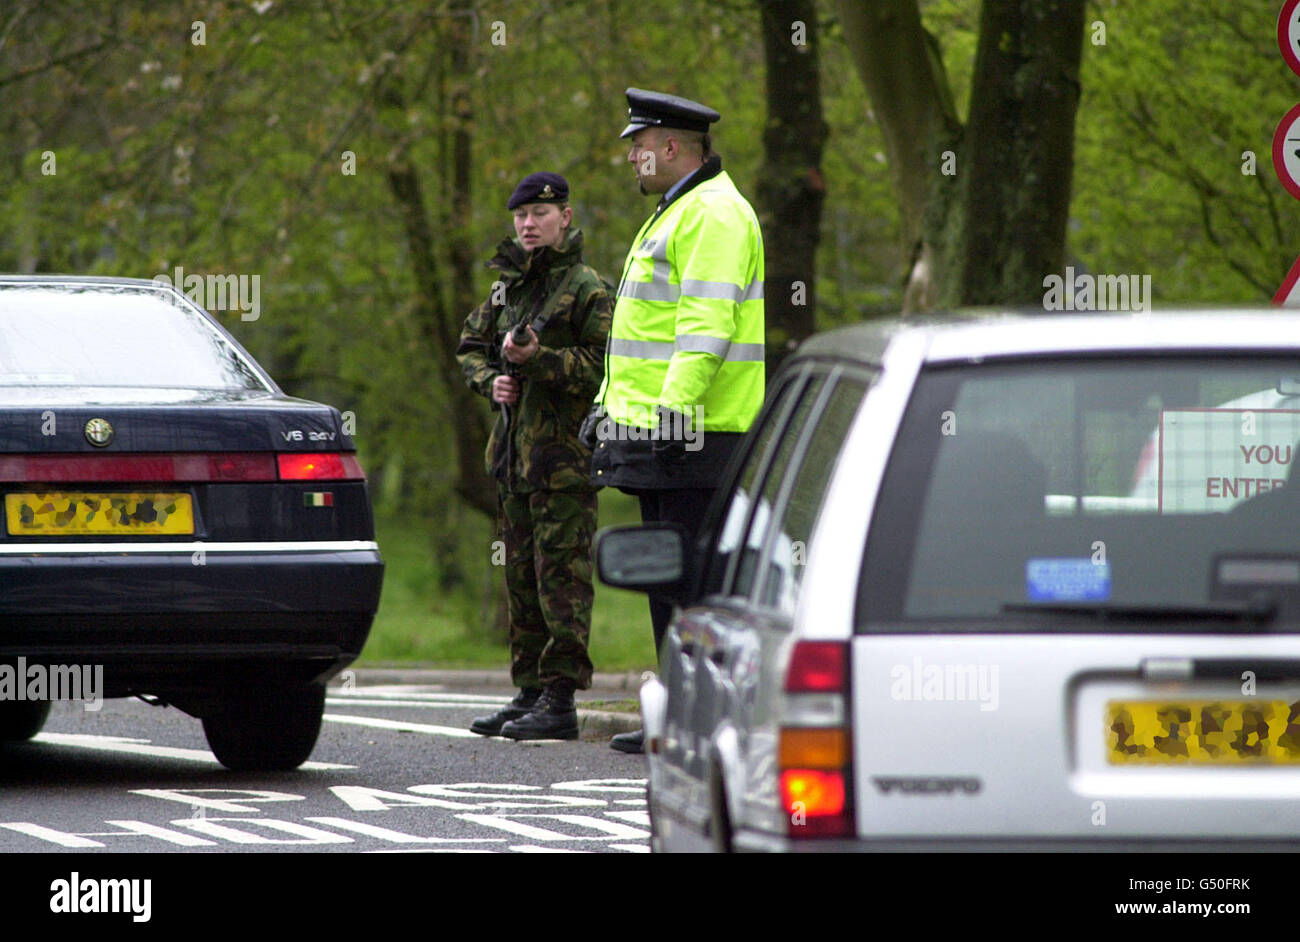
[[560, 380]]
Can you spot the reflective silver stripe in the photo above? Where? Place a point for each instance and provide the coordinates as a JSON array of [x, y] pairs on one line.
[[641, 349], [722, 290], [659, 244], [701, 343], [687, 343], [658, 288], [649, 291], [295, 546], [731, 352]]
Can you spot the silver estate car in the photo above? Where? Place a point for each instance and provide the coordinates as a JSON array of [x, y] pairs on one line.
[[991, 582]]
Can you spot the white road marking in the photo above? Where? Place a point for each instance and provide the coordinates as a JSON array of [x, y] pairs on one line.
[[534, 849], [142, 747], [431, 850], [633, 848], [198, 798], [403, 726], [129, 829], [511, 824], [397, 837], [412, 693], [303, 834], [632, 817], [518, 827], [62, 838], [163, 834], [421, 704], [623, 786]]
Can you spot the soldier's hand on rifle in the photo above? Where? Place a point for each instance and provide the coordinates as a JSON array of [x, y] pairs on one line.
[[505, 390], [516, 354]]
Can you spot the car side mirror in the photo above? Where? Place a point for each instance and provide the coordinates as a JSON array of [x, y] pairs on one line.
[[649, 558]]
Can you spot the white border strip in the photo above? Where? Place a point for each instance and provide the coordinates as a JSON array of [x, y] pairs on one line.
[[99, 549]]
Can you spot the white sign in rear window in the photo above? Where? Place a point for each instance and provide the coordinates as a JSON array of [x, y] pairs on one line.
[[1211, 459]]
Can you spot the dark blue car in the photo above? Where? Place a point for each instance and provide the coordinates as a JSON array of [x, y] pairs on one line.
[[172, 518]]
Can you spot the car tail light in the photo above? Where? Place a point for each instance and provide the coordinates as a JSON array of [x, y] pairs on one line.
[[815, 755], [820, 793], [817, 666], [319, 467], [818, 748], [138, 468]]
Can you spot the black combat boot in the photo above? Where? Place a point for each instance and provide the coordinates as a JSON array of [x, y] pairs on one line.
[[524, 701], [552, 717]]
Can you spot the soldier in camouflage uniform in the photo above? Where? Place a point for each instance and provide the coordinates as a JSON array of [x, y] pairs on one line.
[[543, 389]]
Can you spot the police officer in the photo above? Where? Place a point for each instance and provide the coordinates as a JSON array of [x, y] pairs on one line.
[[535, 348], [685, 362]]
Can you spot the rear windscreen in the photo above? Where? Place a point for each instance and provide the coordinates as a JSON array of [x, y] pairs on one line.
[[1107, 484], [113, 336]]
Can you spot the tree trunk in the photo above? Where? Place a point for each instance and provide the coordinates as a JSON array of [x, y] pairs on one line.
[[438, 327], [912, 104], [982, 209], [1015, 166], [790, 188]]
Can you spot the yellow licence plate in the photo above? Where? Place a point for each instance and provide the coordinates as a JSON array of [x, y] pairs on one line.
[[75, 513], [1217, 732]]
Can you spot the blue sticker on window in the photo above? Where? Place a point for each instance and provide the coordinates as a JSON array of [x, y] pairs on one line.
[[1067, 580]]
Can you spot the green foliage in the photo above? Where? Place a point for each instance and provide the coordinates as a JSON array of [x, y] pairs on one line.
[[229, 157], [418, 620], [1170, 103]]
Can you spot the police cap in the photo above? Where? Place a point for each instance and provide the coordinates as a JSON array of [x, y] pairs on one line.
[[540, 188], [656, 109]]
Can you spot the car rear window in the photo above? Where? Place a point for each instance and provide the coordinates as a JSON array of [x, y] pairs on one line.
[[1107, 484], [113, 336]]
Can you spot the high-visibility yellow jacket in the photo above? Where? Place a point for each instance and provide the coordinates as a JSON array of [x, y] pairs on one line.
[[687, 332]]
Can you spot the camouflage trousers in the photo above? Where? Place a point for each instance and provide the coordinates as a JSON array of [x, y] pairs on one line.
[[547, 536]]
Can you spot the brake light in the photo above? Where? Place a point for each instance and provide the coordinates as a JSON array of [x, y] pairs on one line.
[[137, 468], [319, 467], [816, 667], [817, 801], [815, 755], [819, 793]]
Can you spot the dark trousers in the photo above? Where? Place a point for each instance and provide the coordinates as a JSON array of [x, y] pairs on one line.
[[684, 507]]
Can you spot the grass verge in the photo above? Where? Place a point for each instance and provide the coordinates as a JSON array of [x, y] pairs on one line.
[[441, 593]]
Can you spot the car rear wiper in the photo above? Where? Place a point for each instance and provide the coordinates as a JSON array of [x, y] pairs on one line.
[[1259, 610]]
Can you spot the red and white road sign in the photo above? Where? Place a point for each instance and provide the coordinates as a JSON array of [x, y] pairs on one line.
[[1288, 34], [1289, 294], [1286, 151]]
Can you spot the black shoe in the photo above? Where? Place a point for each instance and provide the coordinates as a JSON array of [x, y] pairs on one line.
[[524, 701], [552, 717], [633, 743]]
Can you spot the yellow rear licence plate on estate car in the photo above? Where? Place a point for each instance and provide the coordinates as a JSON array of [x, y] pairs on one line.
[[75, 514], [1212, 732]]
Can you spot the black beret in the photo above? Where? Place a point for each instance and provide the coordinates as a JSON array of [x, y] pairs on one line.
[[539, 188], [656, 109]]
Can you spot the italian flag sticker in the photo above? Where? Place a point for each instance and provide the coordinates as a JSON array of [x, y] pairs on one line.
[[318, 499]]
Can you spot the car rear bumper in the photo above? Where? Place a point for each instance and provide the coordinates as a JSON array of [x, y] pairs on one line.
[[756, 841], [190, 577], [191, 618]]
